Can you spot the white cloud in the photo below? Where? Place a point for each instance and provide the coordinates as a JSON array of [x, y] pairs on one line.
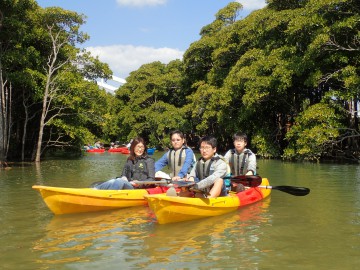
[[248, 4], [140, 3], [252, 4], [123, 59]]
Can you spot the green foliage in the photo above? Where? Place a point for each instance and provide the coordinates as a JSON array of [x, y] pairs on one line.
[[91, 67], [224, 17], [202, 107], [314, 130], [285, 4], [270, 64], [76, 108], [69, 22], [150, 102], [291, 64], [263, 145], [71, 134], [84, 112], [198, 60]]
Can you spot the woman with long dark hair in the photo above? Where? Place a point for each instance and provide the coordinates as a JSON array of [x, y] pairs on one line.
[[139, 166]]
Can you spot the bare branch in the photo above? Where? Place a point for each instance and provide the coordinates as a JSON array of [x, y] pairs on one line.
[[56, 140], [335, 46], [328, 76]]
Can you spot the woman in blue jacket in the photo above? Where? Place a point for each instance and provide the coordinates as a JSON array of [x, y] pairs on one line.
[[179, 158]]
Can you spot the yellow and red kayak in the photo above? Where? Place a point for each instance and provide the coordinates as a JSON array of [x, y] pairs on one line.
[[170, 209], [76, 200]]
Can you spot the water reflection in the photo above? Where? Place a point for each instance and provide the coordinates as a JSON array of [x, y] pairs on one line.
[[123, 235], [75, 237], [207, 242]]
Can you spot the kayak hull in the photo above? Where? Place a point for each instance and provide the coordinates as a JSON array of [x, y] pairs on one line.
[[176, 209], [78, 200]]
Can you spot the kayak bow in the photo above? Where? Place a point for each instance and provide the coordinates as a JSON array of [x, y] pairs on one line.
[[76, 200]]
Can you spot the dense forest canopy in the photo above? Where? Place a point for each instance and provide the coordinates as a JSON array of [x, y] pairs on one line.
[[287, 75]]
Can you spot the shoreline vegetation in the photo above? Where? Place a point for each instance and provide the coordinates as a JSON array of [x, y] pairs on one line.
[[288, 75]]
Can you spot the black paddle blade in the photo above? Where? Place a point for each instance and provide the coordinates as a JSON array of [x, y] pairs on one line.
[[296, 191], [247, 180]]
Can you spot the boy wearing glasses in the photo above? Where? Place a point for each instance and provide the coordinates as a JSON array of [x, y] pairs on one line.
[[210, 169]]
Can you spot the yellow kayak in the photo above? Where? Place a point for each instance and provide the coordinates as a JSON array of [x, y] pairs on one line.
[[76, 200], [169, 209]]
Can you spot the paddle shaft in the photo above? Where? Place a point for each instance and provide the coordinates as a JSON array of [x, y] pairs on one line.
[[151, 182], [163, 181], [296, 191], [246, 180]]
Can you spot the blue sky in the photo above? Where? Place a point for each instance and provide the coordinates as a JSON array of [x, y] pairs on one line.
[[128, 33]]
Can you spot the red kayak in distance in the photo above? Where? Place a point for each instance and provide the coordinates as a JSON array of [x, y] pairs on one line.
[[96, 150], [122, 150]]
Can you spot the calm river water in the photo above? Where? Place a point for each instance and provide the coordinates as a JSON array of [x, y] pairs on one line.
[[318, 231]]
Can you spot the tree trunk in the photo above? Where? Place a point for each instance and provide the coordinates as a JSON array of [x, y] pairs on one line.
[[5, 118], [23, 139], [26, 121], [42, 119], [356, 117], [2, 124], [50, 88]]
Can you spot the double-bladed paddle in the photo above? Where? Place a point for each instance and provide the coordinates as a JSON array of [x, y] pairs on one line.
[[255, 181], [246, 180]]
